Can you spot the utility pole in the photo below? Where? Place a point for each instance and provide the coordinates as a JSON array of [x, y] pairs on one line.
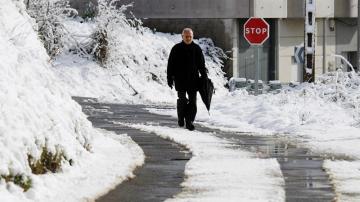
[[358, 37], [309, 42], [324, 45]]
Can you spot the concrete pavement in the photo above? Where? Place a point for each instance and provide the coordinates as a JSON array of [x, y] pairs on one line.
[[160, 177]]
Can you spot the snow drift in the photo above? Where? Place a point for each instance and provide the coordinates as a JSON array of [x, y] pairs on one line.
[[39, 120]]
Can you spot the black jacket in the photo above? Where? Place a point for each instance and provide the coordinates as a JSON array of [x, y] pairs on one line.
[[184, 65]]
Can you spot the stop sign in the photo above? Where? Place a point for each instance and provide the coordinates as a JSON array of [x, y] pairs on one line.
[[256, 31]]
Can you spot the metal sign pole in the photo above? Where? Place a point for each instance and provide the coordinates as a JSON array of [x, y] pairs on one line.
[[257, 68], [256, 32]]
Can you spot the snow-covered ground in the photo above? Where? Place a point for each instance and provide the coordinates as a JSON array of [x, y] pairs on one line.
[[37, 111]]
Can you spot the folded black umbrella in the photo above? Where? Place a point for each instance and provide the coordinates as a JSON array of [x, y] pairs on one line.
[[206, 90]]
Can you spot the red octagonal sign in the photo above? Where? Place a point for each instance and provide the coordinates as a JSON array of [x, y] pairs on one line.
[[256, 31]]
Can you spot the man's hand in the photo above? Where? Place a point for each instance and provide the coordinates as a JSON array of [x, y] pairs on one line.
[[203, 77], [170, 83]]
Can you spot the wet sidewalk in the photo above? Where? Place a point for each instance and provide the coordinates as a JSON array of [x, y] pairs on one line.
[[160, 177], [163, 171], [305, 178]]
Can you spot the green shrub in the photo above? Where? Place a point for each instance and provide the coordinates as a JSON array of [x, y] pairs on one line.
[[47, 162], [23, 181]]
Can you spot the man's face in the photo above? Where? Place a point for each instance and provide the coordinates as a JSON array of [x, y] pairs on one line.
[[187, 37]]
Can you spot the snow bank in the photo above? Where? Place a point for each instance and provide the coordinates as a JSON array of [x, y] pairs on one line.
[[346, 178], [37, 113]]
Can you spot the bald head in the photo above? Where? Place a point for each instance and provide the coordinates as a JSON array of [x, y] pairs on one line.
[[187, 35]]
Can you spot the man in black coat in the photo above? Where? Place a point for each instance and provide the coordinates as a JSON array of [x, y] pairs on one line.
[[185, 62]]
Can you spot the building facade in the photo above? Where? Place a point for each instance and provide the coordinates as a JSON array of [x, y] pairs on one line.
[[223, 20]]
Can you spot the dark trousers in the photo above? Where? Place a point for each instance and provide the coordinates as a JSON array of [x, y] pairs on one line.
[[188, 105]]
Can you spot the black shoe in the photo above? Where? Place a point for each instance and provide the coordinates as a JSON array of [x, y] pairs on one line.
[[181, 110], [190, 126], [181, 122]]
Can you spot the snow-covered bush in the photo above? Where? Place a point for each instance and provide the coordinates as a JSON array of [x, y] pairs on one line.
[[48, 15], [110, 13], [214, 57], [100, 46], [342, 88]]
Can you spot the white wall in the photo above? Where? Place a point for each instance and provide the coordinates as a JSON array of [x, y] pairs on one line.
[[270, 9], [324, 8], [291, 34]]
